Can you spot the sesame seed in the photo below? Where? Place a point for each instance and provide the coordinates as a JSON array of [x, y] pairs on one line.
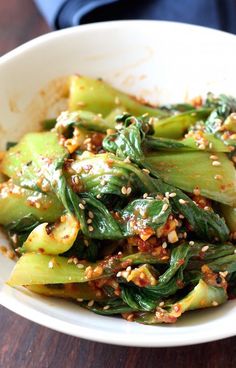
[[76, 179], [98, 196], [216, 163], [181, 216], [125, 274], [234, 251], [119, 253], [130, 317], [90, 303], [145, 195], [80, 265], [191, 242], [164, 245], [196, 191], [171, 195], [210, 145], [91, 215], [128, 269], [218, 177], [80, 300], [127, 160], [206, 208], [90, 228], [75, 260], [81, 206], [146, 171], [103, 182], [89, 221], [117, 100], [214, 303], [118, 274], [83, 201], [182, 201], [124, 190], [205, 248], [202, 146], [129, 190], [86, 242], [165, 207], [214, 157], [185, 235], [167, 194], [87, 140], [50, 264], [161, 304], [106, 307], [223, 274], [37, 205]]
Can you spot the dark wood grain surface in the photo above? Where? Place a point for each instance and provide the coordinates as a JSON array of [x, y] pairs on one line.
[[24, 344]]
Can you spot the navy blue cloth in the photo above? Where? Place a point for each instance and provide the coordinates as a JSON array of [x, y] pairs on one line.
[[219, 14]]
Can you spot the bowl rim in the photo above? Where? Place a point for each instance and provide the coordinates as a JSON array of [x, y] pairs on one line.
[[105, 25], [30, 313]]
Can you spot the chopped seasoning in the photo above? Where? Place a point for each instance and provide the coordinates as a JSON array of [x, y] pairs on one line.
[[172, 237]]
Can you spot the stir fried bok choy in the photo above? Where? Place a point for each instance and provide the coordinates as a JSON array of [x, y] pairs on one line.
[[125, 208]]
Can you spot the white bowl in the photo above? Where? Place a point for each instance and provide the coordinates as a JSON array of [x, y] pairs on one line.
[[161, 61]]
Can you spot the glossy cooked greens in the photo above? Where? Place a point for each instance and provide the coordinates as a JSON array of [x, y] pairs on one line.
[[126, 208]]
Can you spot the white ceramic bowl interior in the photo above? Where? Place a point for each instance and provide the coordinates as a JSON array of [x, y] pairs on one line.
[[161, 61]]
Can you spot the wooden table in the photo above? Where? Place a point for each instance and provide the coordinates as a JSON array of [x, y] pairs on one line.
[[24, 344]]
